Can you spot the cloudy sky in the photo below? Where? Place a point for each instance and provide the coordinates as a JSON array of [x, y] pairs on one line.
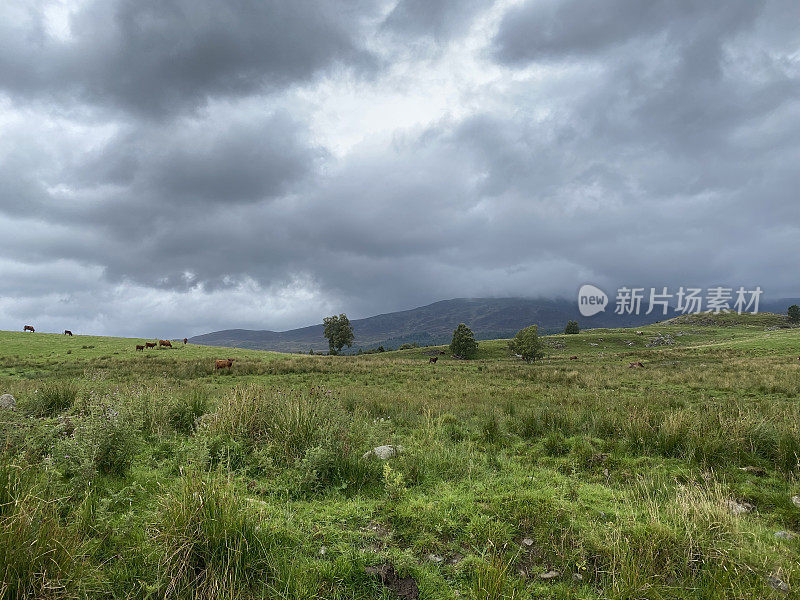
[[171, 167]]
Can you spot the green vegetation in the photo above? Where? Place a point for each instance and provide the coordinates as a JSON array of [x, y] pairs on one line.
[[527, 345], [338, 332], [572, 327], [129, 474], [794, 313], [463, 344]]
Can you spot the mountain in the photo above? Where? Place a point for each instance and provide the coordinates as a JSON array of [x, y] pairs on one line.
[[489, 318]]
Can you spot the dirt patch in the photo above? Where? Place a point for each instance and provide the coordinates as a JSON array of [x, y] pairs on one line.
[[404, 587]]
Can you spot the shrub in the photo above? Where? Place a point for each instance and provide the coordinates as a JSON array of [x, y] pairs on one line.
[[51, 399], [463, 343], [39, 557], [527, 344], [209, 544], [794, 313], [572, 327]]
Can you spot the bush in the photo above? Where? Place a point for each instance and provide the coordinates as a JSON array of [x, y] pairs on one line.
[[794, 313], [572, 327], [463, 344], [39, 557], [51, 399], [209, 544], [100, 441], [527, 344]]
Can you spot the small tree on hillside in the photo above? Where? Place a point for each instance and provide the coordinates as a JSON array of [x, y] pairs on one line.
[[794, 313], [572, 327], [339, 332], [527, 344], [463, 344]]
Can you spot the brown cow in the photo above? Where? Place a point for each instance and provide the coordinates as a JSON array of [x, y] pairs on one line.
[[68, 332], [225, 363], [433, 359], [635, 365], [442, 352], [165, 343], [185, 340], [138, 347], [29, 328], [149, 344], [573, 358]]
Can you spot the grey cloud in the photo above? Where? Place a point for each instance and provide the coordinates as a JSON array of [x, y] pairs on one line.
[[154, 57], [437, 18]]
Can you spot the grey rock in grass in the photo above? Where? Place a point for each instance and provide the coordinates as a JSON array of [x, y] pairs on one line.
[[527, 542], [384, 452], [796, 501], [739, 508], [8, 401], [550, 575], [776, 582], [785, 535]]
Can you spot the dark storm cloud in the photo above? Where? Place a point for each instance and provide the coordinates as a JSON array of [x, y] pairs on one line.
[[639, 144], [157, 57]]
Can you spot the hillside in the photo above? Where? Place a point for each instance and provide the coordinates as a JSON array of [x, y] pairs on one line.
[[489, 318], [127, 474]]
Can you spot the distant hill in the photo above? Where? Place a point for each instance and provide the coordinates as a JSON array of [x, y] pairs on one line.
[[489, 318]]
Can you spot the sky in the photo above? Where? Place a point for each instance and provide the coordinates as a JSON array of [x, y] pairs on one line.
[[173, 167]]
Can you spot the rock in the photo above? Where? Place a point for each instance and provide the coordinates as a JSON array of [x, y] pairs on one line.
[[738, 508], [527, 542], [384, 452], [796, 501], [8, 401], [404, 587], [435, 558], [785, 535], [776, 582], [549, 575], [577, 577], [757, 471], [323, 551]]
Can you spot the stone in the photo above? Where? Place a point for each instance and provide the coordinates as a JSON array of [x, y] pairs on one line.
[[757, 471], [550, 575], [796, 501], [527, 542], [785, 535], [435, 558], [8, 401], [577, 577], [777, 583], [739, 508], [384, 452]]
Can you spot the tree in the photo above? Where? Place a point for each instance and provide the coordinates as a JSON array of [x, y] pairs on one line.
[[339, 332], [463, 344], [572, 327], [794, 313], [527, 344]]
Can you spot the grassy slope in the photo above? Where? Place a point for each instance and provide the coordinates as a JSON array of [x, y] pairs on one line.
[[618, 475]]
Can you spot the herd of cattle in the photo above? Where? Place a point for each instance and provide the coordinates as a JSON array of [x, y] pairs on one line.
[[227, 363]]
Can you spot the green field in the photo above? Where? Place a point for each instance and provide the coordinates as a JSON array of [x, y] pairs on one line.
[[131, 474]]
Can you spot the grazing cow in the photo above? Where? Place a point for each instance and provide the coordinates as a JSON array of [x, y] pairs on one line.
[[149, 344], [185, 340], [225, 363], [640, 333], [68, 332], [138, 347], [573, 358], [165, 343], [433, 359], [635, 365], [442, 352], [29, 328]]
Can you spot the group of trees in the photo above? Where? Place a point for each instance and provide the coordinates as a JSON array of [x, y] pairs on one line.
[[526, 343]]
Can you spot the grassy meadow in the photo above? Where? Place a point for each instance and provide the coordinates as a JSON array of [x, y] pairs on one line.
[[128, 474]]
